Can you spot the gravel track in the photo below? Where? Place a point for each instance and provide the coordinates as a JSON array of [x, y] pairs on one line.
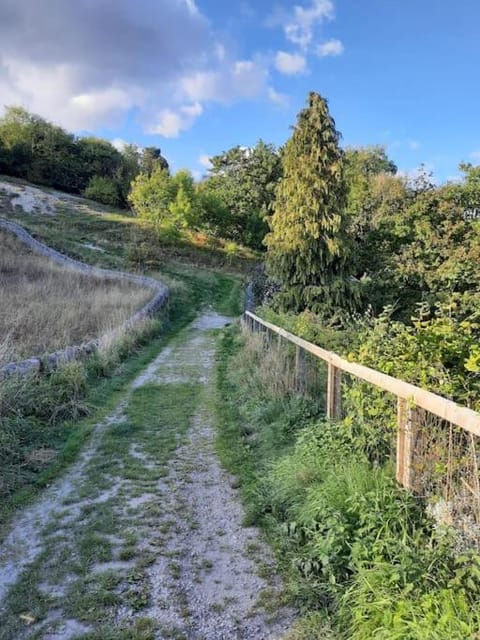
[[206, 573]]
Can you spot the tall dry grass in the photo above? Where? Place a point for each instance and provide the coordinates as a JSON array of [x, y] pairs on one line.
[[273, 368], [44, 307]]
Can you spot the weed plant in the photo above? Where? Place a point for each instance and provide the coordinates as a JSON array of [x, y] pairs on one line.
[[359, 553]]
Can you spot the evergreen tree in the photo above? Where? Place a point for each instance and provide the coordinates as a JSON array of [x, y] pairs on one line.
[[307, 242]]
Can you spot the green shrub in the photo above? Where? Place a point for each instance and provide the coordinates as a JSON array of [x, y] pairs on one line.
[[339, 512], [104, 190], [438, 351], [349, 539]]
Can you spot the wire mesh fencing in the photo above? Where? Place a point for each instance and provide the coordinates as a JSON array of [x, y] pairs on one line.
[[436, 458]]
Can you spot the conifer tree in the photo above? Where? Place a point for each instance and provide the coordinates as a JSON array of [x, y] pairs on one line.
[[307, 241]]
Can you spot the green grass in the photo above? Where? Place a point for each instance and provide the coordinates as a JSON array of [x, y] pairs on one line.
[[156, 419], [360, 556], [127, 243]]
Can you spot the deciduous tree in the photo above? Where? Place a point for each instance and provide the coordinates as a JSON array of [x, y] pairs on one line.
[[244, 179]]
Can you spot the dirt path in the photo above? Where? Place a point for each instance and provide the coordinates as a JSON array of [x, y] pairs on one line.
[[143, 538]]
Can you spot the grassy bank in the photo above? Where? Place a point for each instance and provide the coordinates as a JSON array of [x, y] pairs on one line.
[[113, 238], [362, 558], [45, 420], [45, 307]]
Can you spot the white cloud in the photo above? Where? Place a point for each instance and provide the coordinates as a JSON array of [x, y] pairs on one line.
[[202, 85], [220, 52], [330, 48], [90, 63], [205, 161], [413, 145], [290, 63], [242, 79], [425, 170], [475, 155], [99, 103], [193, 110], [455, 178], [170, 123], [279, 99], [301, 24], [87, 63], [192, 7], [252, 76], [119, 143]]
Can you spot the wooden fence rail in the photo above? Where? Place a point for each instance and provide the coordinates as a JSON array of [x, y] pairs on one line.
[[409, 397]]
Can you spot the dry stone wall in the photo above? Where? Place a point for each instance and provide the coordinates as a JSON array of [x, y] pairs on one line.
[[52, 360]]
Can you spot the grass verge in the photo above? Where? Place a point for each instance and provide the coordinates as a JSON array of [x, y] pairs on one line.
[[361, 557]]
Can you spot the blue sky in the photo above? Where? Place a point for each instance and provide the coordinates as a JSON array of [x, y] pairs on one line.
[[197, 77]]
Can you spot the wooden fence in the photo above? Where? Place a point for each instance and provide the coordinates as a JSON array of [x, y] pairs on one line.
[[410, 398]]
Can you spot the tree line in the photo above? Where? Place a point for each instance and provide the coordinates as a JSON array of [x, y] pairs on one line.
[[341, 229], [349, 233], [41, 152], [233, 201]]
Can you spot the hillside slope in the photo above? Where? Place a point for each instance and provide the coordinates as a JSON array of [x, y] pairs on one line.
[[46, 307], [142, 536], [112, 238]]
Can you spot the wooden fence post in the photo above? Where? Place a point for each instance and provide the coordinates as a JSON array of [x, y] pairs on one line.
[[334, 392], [300, 382], [269, 338], [407, 419]]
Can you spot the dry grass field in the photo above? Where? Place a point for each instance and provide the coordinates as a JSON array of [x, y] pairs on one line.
[[44, 307]]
